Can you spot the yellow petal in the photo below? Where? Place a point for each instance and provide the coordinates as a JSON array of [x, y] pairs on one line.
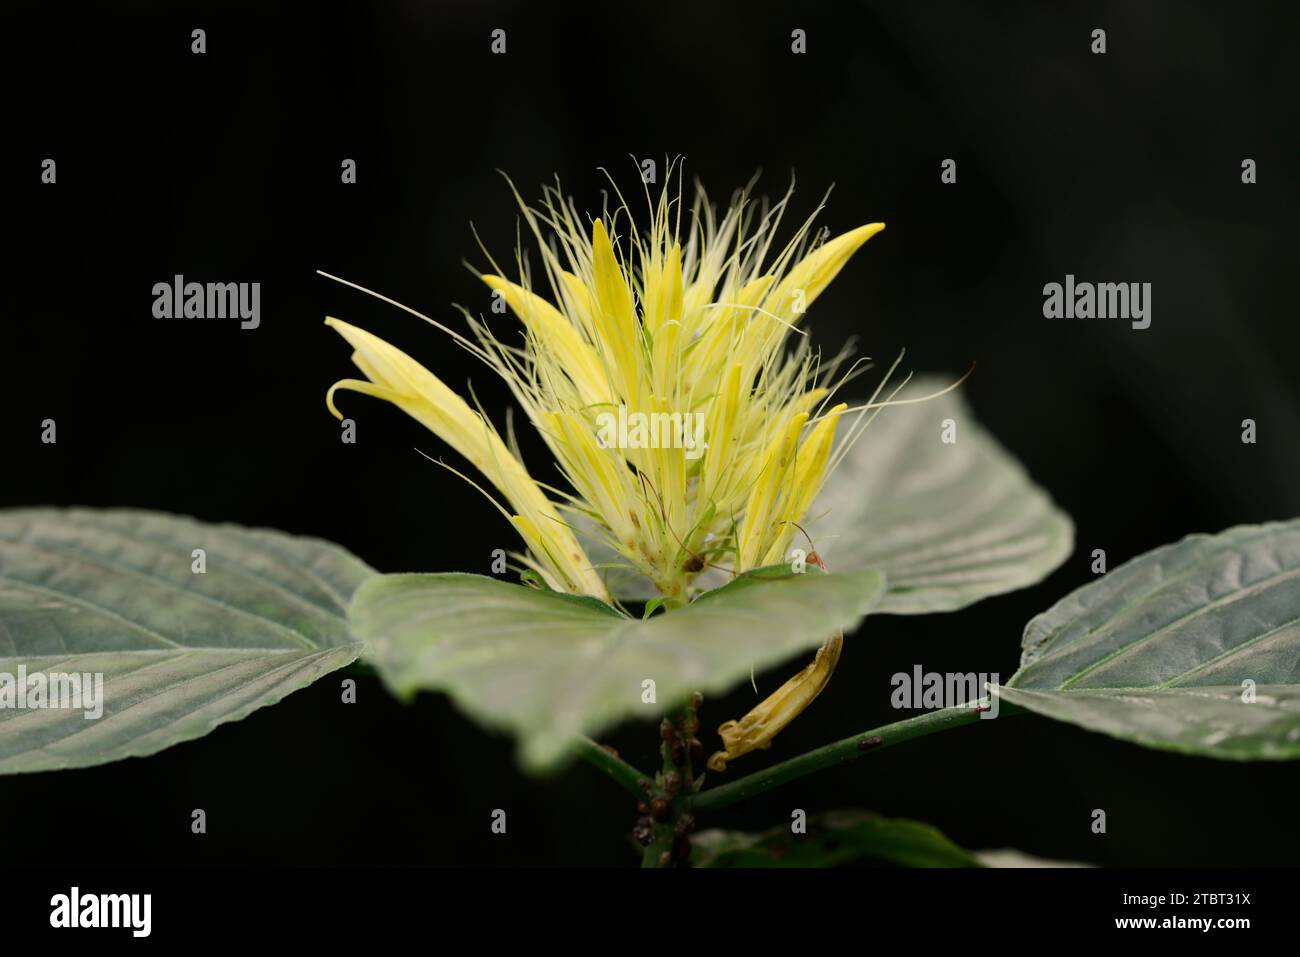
[[759, 526], [577, 299], [665, 358], [663, 291], [722, 430], [809, 473], [420, 394], [757, 729], [554, 331], [811, 275], [615, 317]]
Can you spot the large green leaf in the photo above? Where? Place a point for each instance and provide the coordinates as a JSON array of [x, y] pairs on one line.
[[1193, 647], [547, 666], [948, 522], [115, 592]]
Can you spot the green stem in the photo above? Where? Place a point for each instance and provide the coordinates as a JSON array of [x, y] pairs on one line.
[[672, 836], [663, 837], [837, 753], [615, 767]]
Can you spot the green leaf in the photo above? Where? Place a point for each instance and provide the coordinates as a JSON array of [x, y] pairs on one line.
[[847, 838], [114, 592], [949, 524], [1193, 647], [833, 839], [547, 668], [653, 605]]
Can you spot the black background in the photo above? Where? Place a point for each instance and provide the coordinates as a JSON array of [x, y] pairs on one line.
[[225, 167]]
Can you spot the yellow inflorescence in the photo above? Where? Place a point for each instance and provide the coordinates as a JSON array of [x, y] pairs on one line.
[[659, 327]]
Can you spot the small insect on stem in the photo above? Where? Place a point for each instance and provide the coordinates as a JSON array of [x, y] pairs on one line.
[[812, 558]]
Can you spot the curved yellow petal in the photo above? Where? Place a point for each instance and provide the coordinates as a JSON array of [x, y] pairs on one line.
[[554, 331], [420, 394], [757, 729], [812, 274]]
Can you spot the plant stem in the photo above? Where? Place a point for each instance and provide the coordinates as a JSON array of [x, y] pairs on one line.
[[662, 844], [663, 840], [675, 784], [615, 767], [838, 752]]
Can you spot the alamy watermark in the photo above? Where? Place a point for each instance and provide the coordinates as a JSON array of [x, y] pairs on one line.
[[179, 299], [1103, 300], [130, 911], [931, 690], [652, 430], [76, 691]]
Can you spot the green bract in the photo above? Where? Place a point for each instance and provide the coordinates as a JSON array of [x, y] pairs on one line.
[[548, 666], [116, 592]]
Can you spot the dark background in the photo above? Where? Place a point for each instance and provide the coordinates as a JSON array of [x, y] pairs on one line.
[[225, 167]]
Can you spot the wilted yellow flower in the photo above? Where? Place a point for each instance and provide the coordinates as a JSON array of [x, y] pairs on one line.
[[757, 728], [666, 372]]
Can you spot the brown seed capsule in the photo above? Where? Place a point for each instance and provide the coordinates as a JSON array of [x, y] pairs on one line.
[[665, 859], [866, 744], [666, 730], [642, 807], [643, 834], [697, 753], [678, 753], [672, 783], [685, 825], [643, 784], [693, 564], [659, 809], [682, 848]]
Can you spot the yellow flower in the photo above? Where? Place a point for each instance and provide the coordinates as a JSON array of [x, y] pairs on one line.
[[667, 374]]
